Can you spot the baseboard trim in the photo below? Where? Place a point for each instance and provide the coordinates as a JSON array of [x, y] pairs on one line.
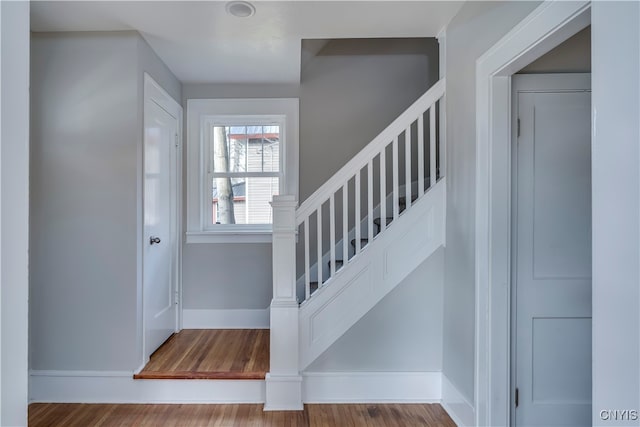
[[120, 387], [371, 387], [456, 405], [225, 319]]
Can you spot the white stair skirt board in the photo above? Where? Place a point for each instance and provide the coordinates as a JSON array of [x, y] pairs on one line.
[[120, 387], [380, 267], [226, 319], [371, 387], [458, 408]]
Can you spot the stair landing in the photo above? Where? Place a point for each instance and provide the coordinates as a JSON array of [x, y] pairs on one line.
[[215, 354]]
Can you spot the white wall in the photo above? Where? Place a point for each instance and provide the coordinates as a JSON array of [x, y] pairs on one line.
[[86, 157], [475, 28], [616, 208], [14, 204], [402, 333]]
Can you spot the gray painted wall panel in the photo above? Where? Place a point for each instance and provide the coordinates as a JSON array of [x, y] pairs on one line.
[[83, 201], [86, 146], [350, 92], [226, 276]]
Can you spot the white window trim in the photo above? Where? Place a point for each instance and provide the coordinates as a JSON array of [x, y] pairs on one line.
[[202, 113]]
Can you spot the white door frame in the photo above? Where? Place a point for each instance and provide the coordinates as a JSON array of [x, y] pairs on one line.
[[155, 93], [546, 27]]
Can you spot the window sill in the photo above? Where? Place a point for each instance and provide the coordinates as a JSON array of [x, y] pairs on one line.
[[231, 236]]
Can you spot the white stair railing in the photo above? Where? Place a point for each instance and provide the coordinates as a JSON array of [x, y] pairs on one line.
[[397, 135], [284, 382]]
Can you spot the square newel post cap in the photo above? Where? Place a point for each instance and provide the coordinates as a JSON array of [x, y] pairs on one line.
[[284, 201]]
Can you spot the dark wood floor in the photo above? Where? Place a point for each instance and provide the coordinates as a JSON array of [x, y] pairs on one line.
[[83, 415], [211, 354]]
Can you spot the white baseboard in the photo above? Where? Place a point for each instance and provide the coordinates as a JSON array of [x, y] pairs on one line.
[[317, 387], [456, 405], [226, 319], [120, 387], [371, 387]]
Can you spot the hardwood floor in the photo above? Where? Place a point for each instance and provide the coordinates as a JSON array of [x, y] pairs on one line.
[[84, 415], [211, 354]]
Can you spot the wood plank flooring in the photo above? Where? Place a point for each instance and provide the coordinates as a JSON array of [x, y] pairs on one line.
[[85, 415], [211, 354]]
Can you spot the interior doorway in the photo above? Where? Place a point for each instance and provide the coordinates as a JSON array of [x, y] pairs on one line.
[[548, 26], [161, 247], [551, 250]]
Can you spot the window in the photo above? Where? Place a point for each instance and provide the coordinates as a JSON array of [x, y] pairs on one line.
[[244, 171], [241, 152]]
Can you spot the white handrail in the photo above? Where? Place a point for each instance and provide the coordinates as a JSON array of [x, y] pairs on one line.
[[361, 159]]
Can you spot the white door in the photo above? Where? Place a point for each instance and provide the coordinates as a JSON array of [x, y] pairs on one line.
[[552, 251], [161, 130]]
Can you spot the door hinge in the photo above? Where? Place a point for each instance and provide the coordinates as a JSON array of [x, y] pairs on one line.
[[176, 298], [517, 397], [518, 127], [176, 139]]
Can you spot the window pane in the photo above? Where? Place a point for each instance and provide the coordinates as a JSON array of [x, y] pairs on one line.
[[229, 149], [263, 148], [249, 203]]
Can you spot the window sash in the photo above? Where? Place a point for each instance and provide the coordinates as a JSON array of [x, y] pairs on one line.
[[246, 174], [237, 121], [202, 116]]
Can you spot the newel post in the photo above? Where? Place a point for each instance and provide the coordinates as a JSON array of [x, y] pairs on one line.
[[284, 382]]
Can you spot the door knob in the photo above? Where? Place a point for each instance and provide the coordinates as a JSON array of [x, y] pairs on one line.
[[153, 240]]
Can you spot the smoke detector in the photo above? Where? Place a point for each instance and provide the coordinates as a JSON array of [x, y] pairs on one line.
[[240, 9]]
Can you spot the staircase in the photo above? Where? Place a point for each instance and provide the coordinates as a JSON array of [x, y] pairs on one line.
[[352, 241]]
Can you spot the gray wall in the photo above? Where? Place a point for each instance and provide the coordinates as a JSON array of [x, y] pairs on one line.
[[572, 56], [14, 217], [402, 333], [616, 208], [86, 146], [228, 276], [477, 27], [348, 94], [350, 91]]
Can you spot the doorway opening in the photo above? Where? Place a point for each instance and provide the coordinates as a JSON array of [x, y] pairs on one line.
[[546, 27], [551, 250]]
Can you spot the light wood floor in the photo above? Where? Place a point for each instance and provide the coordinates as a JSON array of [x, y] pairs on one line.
[[211, 354], [83, 415]]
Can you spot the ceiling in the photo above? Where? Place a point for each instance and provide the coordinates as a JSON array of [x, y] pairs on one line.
[[201, 43]]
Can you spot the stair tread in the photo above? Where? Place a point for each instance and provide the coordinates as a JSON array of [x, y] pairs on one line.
[[377, 221], [403, 199], [339, 263], [363, 239]]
